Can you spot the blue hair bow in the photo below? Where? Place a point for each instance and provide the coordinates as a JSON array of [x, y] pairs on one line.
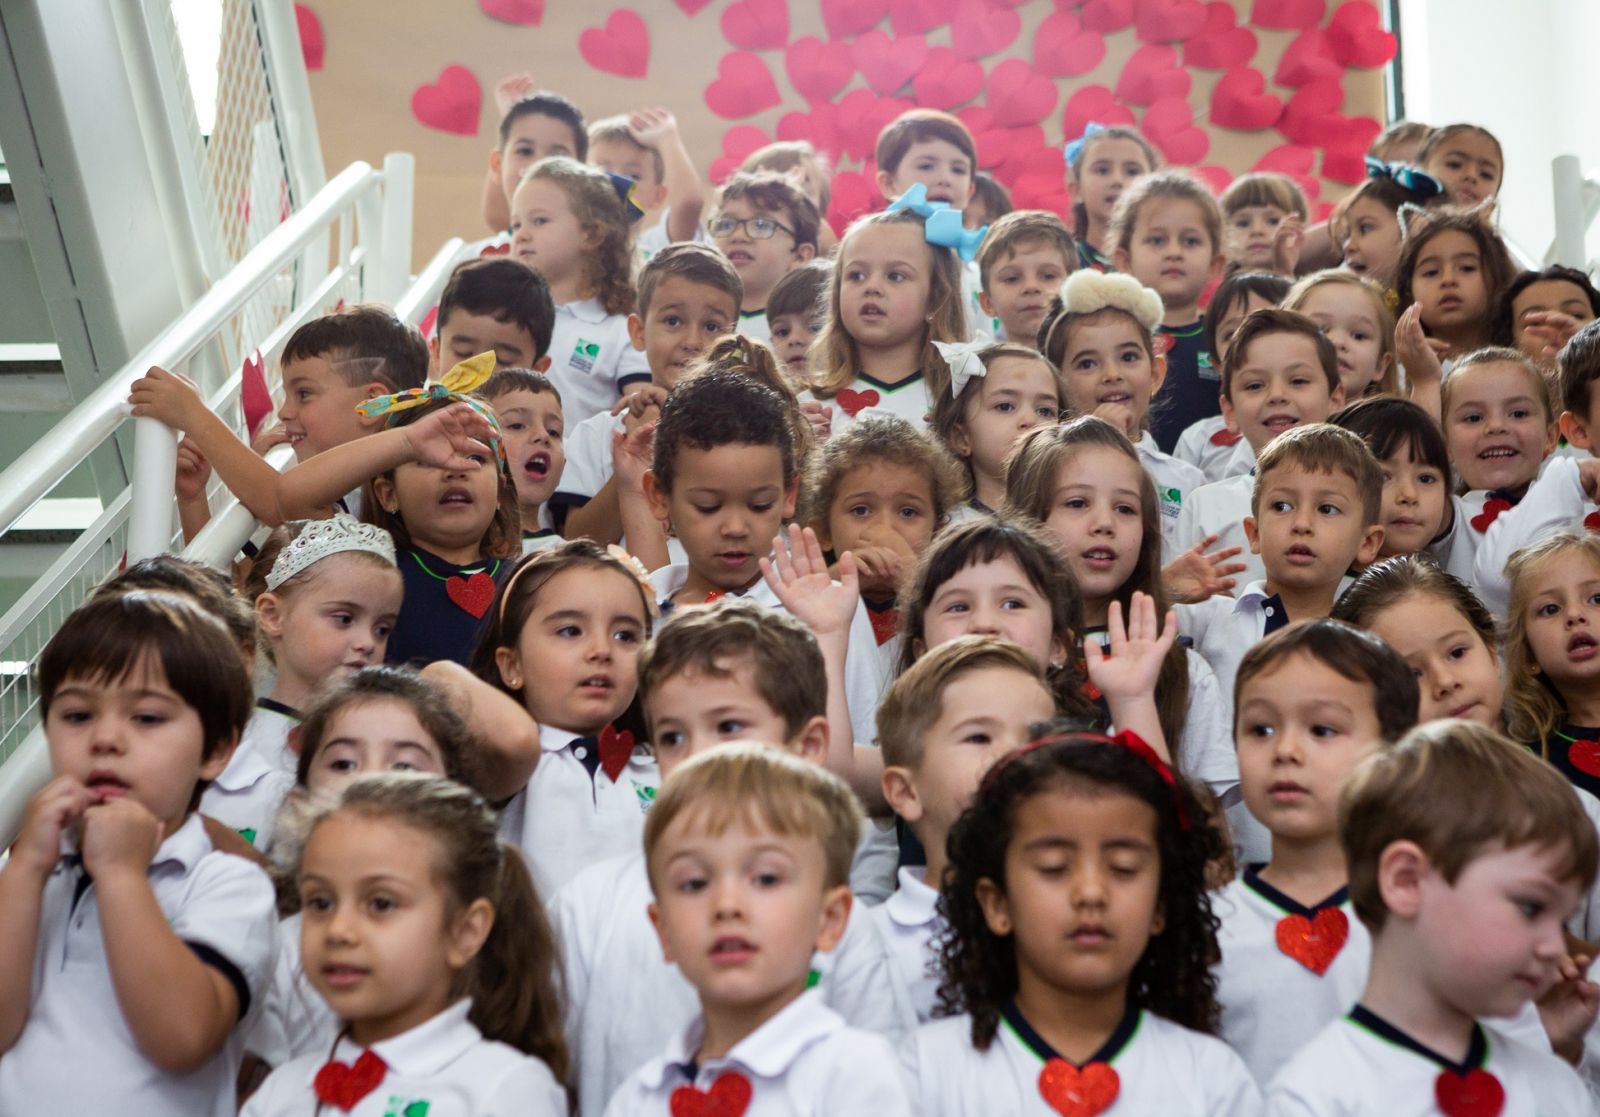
[[1074, 148], [1413, 179], [624, 187], [943, 225]]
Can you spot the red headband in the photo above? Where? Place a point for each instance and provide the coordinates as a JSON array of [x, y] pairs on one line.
[[1126, 739]]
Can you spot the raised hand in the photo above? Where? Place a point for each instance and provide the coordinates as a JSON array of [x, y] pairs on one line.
[[652, 127], [1287, 241], [1130, 668], [514, 88], [1546, 332], [456, 437], [632, 454], [798, 575], [820, 416], [1200, 573]]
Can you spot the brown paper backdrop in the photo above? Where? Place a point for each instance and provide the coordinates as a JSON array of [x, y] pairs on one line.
[[376, 53]]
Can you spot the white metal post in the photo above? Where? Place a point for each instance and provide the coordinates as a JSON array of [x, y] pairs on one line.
[[155, 465], [399, 173], [369, 236], [1571, 221]]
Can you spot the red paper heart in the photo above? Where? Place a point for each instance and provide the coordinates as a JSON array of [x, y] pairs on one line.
[[430, 319], [254, 399], [1169, 123], [851, 401], [744, 87], [1307, 117], [1019, 96], [1223, 44], [844, 18], [994, 144], [1037, 167], [1357, 37], [816, 69], [860, 111], [1240, 101], [1344, 159], [1491, 512], [1106, 16], [980, 28], [1021, 145], [1308, 58], [737, 142], [1288, 15], [1078, 1092], [888, 64], [1592, 521], [729, 1096], [471, 594], [621, 47], [913, 17], [1168, 21], [1474, 1094], [1092, 103], [310, 28], [946, 81], [1314, 943], [343, 1085], [1288, 159], [853, 194], [820, 126], [451, 104], [1585, 755], [885, 624], [757, 24], [1218, 178], [524, 13], [495, 249], [1150, 74], [1225, 437], [616, 749], [1064, 48], [691, 7]]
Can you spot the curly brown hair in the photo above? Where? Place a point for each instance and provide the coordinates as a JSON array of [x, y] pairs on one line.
[[608, 263]]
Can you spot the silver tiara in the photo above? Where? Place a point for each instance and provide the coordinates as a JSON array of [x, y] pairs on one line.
[[321, 538]]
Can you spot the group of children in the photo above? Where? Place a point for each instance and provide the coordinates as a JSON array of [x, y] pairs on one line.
[[1104, 665]]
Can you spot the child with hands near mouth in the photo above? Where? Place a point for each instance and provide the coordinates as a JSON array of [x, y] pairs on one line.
[[1079, 926], [167, 942], [1103, 163], [1265, 219], [1022, 263], [1540, 311]]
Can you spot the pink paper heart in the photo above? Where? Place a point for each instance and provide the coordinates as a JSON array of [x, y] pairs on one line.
[[1217, 178], [946, 81], [1064, 48], [450, 104], [1020, 144], [1308, 58], [1150, 74], [310, 28], [1306, 117], [737, 142], [1357, 36], [691, 7], [853, 194], [1168, 21], [913, 17], [523, 13], [1288, 159], [1169, 123], [1106, 16], [844, 18], [757, 24], [744, 87], [1288, 15], [621, 47], [1239, 101], [980, 28], [816, 69], [1344, 155], [1092, 103], [1223, 44], [820, 126], [1019, 96], [888, 64]]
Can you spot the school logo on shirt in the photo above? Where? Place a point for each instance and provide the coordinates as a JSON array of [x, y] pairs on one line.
[[585, 355], [406, 1107], [1204, 367], [645, 793], [1171, 501]]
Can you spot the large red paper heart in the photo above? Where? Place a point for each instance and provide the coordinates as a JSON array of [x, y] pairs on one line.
[[757, 24], [471, 594], [1240, 101], [816, 69], [1474, 1094], [1151, 73], [1019, 96], [744, 87], [853, 194], [1168, 21], [729, 1096], [450, 104], [1585, 757], [888, 63], [1314, 943], [1106, 16], [820, 126], [1075, 1092], [1306, 117], [1014, 148], [1344, 156], [1288, 159], [860, 111], [1092, 103], [1288, 15], [1064, 48], [1357, 36], [1223, 44], [1169, 123], [980, 28], [946, 81], [524, 13], [1308, 58], [310, 28], [913, 17], [737, 142], [344, 1085], [844, 18], [851, 401], [621, 47]]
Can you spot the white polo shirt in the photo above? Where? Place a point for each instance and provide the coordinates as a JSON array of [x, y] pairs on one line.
[[754, 325], [259, 775], [441, 1068], [909, 923], [1204, 444], [1174, 481], [589, 466], [1556, 501], [1162, 1069], [803, 1062], [592, 359], [570, 816], [76, 1054], [625, 1002], [1219, 509], [294, 1019], [649, 240]]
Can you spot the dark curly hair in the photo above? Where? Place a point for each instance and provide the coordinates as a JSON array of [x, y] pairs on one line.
[[722, 404], [1173, 977]]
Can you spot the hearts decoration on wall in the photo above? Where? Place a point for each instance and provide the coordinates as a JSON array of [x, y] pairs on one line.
[[980, 29], [888, 64], [1239, 101], [1106, 16], [310, 28], [1309, 58], [946, 81], [914, 17], [1151, 73], [820, 126], [1064, 48], [1169, 124], [1288, 15], [1357, 38], [757, 24], [691, 7], [737, 142], [255, 401], [451, 104], [1092, 103], [1306, 117], [621, 47], [853, 194], [1019, 96], [845, 18], [1168, 21], [818, 70], [744, 87], [1223, 44], [524, 13]]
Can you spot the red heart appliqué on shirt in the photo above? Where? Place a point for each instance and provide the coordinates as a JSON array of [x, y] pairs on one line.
[[1592, 521], [1491, 512], [343, 1085], [851, 401], [1314, 943], [1474, 1094], [1078, 1092], [1225, 437], [884, 624], [616, 749], [729, 1096], [471, 594], [1585, 757]]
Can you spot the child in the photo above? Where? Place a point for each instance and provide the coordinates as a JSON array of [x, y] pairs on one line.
[[1100, 334], [1435, 830], [206, 586], [1366, 223], [733, 671], [1167, 232], [567, 224], [493, 305], [536, 125], [529, 413], [1103, 163], [1021, 265], [891, 297], [1265, 215], [426, 937], [1467, 161], [1540, 311], [129, 964], [749, 855], [1400, 141], [646, 147], [1079, 920], [1420, 516], [1281, 373], [766, 227], [1208, 443], [1451, 270], [1314, 699], [1354, 315], [326, 595], [997, 395], [795, 313], [564, 631], [809, 169], [990, 202]]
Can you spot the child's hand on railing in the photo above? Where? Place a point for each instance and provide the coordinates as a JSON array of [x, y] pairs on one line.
[[275, 435], [193, 472], [455, 438], [169, 397]]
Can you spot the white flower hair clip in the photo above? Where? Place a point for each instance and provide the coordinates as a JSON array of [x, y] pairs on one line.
[[964, 362], [1088, 291], [321, 538]]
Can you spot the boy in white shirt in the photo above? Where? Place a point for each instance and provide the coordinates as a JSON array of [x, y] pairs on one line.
[[528, 408], [1466, 854], [730, 671], [1281, 372], [766, 227], [646, 147]]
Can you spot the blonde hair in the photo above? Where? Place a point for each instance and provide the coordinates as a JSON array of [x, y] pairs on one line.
[[1389, 383], [607, 264], [1544, 388], [950, 410], [835, 358], [916, 699], [1533, 709], [760, 786]]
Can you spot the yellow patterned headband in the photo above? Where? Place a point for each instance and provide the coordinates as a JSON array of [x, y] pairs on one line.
[[467, 376]]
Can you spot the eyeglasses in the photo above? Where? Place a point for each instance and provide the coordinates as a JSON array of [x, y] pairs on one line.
[[757, 228]]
